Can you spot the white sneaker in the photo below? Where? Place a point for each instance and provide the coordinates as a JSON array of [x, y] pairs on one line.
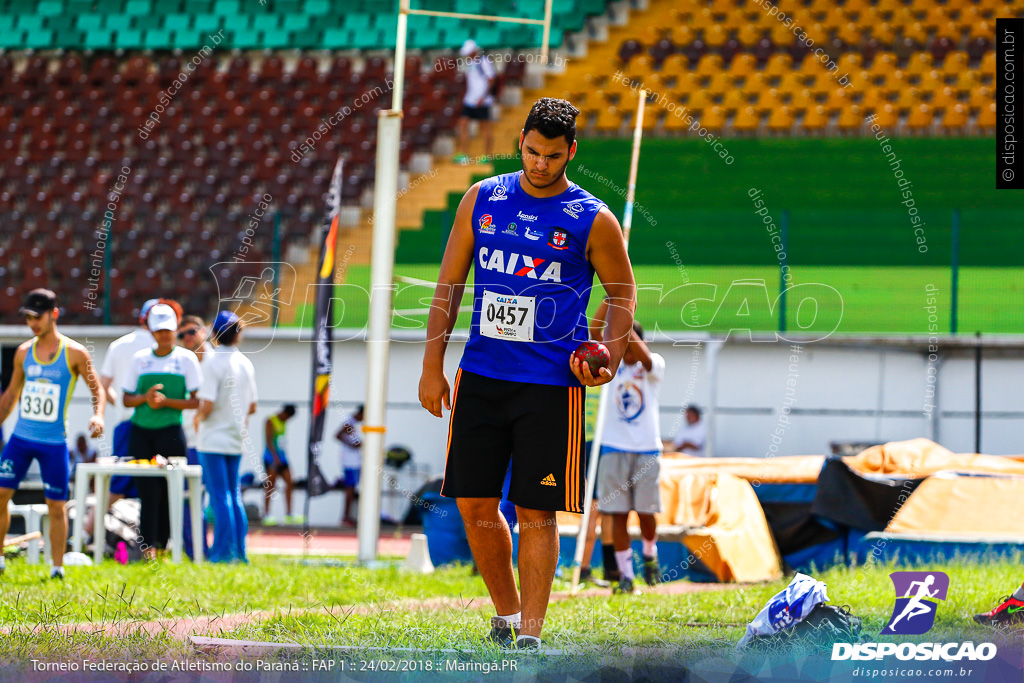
[[3, 565], [57, 573]]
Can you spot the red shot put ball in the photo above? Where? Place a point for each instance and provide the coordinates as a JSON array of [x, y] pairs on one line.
[[594, 354]]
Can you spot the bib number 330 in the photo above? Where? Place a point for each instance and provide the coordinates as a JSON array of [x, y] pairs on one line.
[[39, 401], [507, 317]]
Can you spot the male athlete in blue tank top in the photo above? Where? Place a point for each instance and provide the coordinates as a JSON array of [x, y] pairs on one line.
[[45, 370], [534, 240]]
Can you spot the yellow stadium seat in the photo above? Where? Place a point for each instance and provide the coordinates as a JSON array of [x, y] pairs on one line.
[[682, 34], [884, 32], [887, 116], [949, 29], [609, 120], [933, 80], [642, 65], [983, 29], [675, 65], [850, 119], [721, 82], [802, 101], [756, 82], [779, 64], [749, 34], [780, 34], [850, 61], [850, 33], [743, 64], [980, 97], [920, 63], [954, 119], [733, 101], [792, 81], [714, 119], [935, 16], [715, 36], [838, 100], [965, 80], [769, 101], [987, 117], [747, 120], [956, 62], [700, 100], [908, 99], [709, 65], [860, 5], [703, 19], [687, 82], [815, 120], [920, 119], [874, 98], [781, 120], [988, 63]]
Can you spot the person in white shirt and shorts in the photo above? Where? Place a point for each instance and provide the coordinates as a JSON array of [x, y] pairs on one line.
[[630, 464]]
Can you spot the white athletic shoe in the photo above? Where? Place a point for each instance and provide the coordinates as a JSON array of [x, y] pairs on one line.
[[57, 573], [3, 565]]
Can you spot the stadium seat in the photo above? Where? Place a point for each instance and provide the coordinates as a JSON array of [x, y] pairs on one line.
[[815, 120]]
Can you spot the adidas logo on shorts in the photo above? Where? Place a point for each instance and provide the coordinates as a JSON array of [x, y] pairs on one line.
[[549, 481]]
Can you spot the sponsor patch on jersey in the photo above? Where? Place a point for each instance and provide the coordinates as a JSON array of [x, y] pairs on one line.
[[559, 239], [533, 234], [526, 216], [497, 194], [574, 209], [485, 224], [510, 230], [520, 265]]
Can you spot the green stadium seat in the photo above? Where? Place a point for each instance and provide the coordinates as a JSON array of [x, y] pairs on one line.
[[309, 39], [158, 39], [238, 24], [178, 22], [30, 22], [206, 23], [50, 8], [76, 7], [40, 39], [275, 39], [119, 22], [474, 7], [7, 22], [150, 22], [226, 7], [12, 39], [266, 22], [336, 38], [316, 7], [99, 39], [88, 22], [129, 37], [367, 39], [288, 7], [358, 22], [109, 7], [61, 23], [295, 22], [197, 7], [138, 7], [383, 6]]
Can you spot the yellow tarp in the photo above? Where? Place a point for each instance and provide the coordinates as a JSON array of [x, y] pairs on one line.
[[789, 469], [919, 458], [734, 540], [949, 505]]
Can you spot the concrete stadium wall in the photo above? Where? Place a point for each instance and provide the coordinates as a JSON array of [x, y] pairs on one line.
[[764, 402]]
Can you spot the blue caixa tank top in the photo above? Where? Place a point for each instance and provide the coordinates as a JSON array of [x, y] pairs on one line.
[[532, 281], [45, 396]]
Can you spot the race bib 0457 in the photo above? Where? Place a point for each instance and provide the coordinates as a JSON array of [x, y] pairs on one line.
[[508, 317]]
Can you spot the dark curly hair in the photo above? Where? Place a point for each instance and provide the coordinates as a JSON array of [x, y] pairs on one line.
[[553, 118]]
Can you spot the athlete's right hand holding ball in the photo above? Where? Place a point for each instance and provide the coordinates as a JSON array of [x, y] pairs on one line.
[[435, 390], [587, 357]]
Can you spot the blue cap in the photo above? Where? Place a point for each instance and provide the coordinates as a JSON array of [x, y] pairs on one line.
[[224, 320], [146, 306]]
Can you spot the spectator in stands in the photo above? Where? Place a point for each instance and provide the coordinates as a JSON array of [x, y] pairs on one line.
[[275, 461], [351, 437], [630, 457], [82, 452], [227, 399], [481, 85], [691, 436], [116, 361], [161, 382]]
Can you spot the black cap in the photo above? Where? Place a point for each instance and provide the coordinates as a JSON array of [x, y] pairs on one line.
[[39, 301]]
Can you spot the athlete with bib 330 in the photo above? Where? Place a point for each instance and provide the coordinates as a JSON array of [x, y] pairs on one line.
[[535, 240], [45, 370]]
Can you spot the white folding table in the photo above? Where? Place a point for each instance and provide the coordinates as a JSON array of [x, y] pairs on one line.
[[176, 477]]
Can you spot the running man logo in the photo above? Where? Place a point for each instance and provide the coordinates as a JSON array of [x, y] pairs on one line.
[[916, 596], [6, 468], [549, 480]]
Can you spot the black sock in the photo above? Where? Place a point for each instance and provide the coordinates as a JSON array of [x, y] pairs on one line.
[[611, 566]]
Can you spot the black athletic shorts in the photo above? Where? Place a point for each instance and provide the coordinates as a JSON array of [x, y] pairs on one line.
[[476, 113], [538, 426]]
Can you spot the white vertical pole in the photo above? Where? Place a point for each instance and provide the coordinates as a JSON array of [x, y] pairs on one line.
[[547, 33], [382, 266], [595, 446]]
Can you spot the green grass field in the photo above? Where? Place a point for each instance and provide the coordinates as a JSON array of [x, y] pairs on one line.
[[35, 614], [851, 299]]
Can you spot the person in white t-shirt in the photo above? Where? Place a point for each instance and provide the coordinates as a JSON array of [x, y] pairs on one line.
[[351, 437], [192, 335], [692, 436], [478, 100], [227, 398], [630, 462]]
